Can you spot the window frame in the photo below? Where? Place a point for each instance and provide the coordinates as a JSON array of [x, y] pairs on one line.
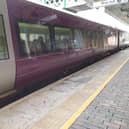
[[5, 34], [65, 27], [34, 23]]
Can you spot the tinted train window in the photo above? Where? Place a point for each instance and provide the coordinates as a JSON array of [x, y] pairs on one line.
[[34, 39], [63, 38], [78, 39], [87, 39], [3, 41], [111, 39]]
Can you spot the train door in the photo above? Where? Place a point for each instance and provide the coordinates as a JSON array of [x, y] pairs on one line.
[[7, 61]]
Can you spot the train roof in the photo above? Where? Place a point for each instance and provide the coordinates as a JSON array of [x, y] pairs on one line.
[[44, 14]]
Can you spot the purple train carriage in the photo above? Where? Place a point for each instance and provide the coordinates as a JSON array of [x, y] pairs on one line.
[[37, 43]]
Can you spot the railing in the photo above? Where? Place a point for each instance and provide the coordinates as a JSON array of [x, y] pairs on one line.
[[60, 3]]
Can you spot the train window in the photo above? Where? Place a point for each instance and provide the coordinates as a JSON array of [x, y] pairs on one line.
[[111, 39], [63, 38], [3, 41], [34, 39], [93, 39], [99, 40], [98, 43], [87, 39], [78, 39]]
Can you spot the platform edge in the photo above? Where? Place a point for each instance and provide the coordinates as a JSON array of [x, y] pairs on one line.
[[85, 105]]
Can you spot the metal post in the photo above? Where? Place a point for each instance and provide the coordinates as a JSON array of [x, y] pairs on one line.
[[118, 39]]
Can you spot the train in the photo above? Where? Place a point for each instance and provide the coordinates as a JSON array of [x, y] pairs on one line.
[[38, 43]]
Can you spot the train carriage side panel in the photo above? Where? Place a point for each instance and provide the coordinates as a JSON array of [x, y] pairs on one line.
[[28, 24], [7, 59], [32, 66]]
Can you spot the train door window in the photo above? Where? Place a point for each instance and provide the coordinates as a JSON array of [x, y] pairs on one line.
[[63, 38], [3, 42], [34, 39]]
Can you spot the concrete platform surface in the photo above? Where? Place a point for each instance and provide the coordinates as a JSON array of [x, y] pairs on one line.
[[110, 110], [53, 106]]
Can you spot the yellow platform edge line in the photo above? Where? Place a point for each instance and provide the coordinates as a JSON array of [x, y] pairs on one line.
[[84, 106]]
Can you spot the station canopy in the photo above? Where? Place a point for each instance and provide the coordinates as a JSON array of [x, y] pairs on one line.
[[116, 8], [119, 11]]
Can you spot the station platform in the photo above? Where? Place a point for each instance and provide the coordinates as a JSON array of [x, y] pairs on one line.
[[110, 109], [98, 92]]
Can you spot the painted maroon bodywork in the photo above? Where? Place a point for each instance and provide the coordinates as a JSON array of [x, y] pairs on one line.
[[29, 70]]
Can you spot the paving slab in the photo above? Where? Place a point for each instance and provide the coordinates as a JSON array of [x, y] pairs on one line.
[[110, 110]]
